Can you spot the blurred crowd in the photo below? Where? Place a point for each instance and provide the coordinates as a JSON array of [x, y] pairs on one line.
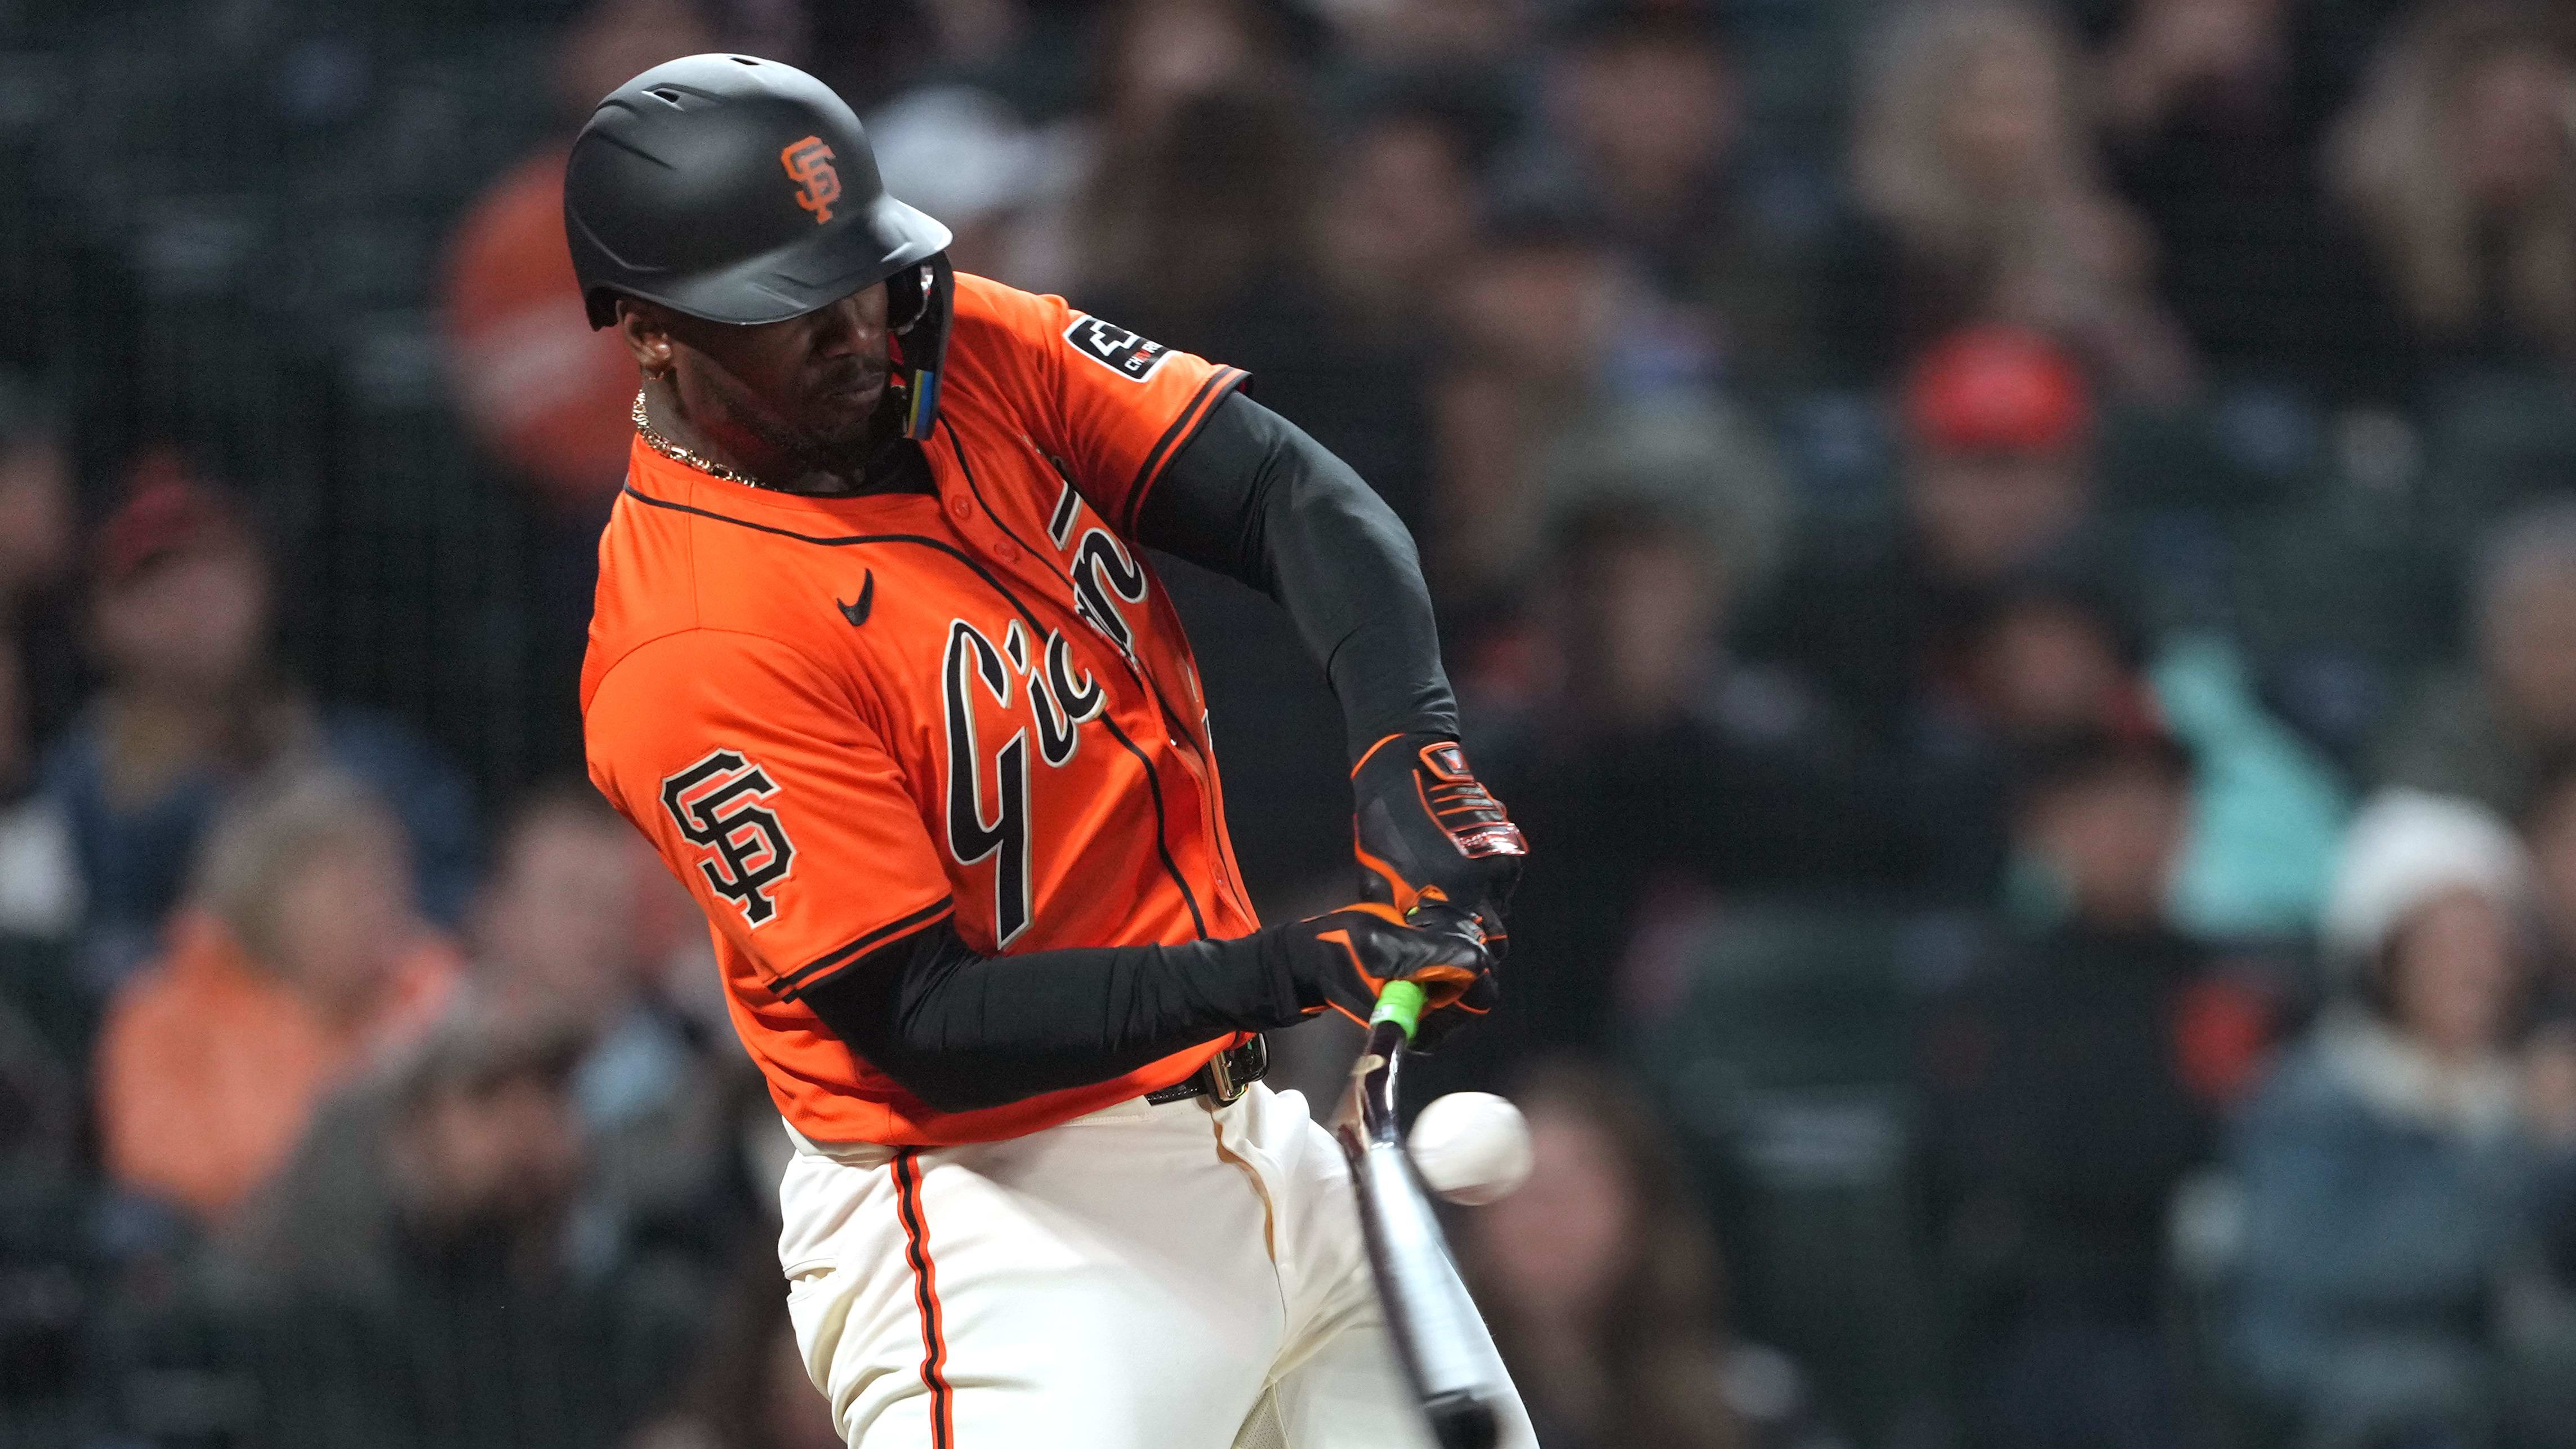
[[2016, 560]]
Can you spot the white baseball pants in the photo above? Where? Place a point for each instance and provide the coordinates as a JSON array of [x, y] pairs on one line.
[[1173, 1277]]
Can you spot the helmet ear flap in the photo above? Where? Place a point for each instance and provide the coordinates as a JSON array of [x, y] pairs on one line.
[[908, 297], [921, 339]]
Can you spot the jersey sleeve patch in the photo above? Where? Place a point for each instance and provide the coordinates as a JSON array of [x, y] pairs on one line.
[[1114, 347], [723, 806]]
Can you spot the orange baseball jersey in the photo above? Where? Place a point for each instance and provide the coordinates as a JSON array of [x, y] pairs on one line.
[[843, 719]]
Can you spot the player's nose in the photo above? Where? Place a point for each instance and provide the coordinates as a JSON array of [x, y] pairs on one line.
[[845, 326]]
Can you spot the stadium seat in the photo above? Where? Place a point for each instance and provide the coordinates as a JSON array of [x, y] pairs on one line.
[[2497, 442], [1788, 1064]]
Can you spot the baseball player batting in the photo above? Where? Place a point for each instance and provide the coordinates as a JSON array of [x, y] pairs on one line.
[[879, 665]]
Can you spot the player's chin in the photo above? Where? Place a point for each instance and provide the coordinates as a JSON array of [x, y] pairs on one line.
[[841, 416]]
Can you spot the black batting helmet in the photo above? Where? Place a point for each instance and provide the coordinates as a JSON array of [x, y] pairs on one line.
[[744, 191]]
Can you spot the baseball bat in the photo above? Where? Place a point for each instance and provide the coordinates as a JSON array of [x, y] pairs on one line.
[[1437, 1333]]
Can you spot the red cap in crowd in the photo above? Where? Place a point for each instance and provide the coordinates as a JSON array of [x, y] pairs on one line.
[[166, 511], [1996, 388]]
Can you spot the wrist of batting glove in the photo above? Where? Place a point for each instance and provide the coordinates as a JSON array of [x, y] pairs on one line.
[[1345, 958], [1424, 826]]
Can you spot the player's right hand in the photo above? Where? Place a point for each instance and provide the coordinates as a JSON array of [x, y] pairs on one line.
[[1360, 948]]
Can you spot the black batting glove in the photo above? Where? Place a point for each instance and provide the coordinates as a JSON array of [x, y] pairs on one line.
[[1426, 829], [1481, 996], [1347, 957]]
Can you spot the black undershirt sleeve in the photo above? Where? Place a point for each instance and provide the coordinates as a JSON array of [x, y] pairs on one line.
[[962, 1031], [1251, 496]]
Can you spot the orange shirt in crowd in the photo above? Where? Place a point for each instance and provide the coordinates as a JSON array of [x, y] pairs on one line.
[[544, 392], [209, 1066]]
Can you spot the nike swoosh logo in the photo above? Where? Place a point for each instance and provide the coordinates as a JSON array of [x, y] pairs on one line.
[[857, 613]]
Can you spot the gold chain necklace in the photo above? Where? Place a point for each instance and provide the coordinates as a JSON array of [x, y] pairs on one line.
[[678, 454]]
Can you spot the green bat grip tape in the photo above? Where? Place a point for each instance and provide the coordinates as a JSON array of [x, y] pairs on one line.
[[1400, 1002]]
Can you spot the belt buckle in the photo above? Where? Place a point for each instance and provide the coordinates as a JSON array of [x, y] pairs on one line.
[[1224, 1087]]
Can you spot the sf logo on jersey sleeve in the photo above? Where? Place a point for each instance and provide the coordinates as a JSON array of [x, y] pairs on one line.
[[720, 805], [1116, 348]]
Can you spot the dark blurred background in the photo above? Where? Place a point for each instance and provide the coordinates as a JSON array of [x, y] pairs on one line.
[[2017, 562]]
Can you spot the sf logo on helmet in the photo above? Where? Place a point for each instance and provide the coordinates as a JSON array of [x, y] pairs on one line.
[[809, 163], [718, 805]]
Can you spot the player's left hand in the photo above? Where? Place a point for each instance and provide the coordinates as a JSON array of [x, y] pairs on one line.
[[1358, 949], [1426, 828], [1481, 996]]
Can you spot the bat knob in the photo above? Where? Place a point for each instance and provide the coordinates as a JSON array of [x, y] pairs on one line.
[[1460, 1420]]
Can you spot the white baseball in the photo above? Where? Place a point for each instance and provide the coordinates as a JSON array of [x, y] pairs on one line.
[[1471, 1147]]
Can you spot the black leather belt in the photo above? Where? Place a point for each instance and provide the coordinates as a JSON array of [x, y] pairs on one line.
[[1223, 1077]]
